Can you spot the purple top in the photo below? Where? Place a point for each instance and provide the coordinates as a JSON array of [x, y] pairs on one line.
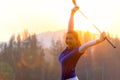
[[68, 59]]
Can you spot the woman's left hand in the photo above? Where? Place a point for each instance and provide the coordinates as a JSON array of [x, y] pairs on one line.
[[102, 36]]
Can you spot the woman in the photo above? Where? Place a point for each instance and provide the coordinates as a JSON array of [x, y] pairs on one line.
[[74, 50]]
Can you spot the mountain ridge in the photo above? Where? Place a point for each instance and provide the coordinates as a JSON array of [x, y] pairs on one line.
[[47, 37]]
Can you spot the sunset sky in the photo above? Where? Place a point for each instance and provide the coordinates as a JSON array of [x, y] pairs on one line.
[[53, 15]]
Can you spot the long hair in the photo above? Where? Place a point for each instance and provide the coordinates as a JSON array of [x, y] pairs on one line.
[[76, 36]]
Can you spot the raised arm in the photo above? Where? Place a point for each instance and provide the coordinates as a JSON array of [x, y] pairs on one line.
[[71, 20], [92, 43]]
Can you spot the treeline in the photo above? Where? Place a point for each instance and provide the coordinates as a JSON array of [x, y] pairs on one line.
[[25, 58]]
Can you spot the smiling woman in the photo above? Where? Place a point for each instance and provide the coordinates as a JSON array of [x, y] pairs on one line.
[[74, 49]]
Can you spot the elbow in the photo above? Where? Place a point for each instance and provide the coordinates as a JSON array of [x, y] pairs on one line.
[[83, 49]]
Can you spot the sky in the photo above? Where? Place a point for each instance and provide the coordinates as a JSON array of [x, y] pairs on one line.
[[52, 15]]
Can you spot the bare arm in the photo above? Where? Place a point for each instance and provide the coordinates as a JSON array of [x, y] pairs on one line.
[[71, 23], [71, 20], [92, 43]]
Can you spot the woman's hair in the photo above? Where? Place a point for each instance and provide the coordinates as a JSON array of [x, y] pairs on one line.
[[76, 36]]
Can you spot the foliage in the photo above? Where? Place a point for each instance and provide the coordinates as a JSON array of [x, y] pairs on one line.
[[24, 59]]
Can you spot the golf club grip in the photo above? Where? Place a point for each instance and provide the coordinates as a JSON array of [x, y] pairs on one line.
[[110, 42], [74, 2], [106, 37], [97, 29]]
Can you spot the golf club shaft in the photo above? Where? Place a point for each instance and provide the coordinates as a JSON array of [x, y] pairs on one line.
[[97, 29], [74, 2]]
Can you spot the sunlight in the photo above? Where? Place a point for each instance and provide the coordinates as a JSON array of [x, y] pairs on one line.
[[82, 24], [52, 15], [99, 15]]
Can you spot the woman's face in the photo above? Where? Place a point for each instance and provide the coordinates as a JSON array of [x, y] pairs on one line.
[[70, 40]]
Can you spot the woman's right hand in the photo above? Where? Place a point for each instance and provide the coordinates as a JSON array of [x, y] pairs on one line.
[[76, 8]]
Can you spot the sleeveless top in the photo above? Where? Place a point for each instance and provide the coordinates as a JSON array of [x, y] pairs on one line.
[[68, 60]]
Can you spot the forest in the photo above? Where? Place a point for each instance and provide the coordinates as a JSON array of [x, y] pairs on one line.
[[25, 58]]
